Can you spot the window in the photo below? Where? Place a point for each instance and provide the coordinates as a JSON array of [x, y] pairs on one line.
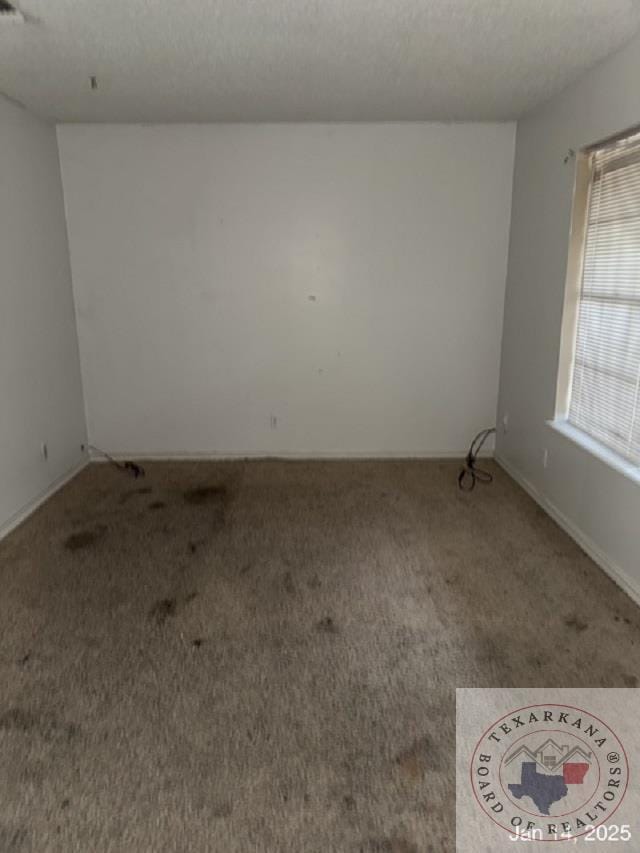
[[602, 385]]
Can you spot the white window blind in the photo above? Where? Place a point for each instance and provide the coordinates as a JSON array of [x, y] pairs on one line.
[[605, 388]]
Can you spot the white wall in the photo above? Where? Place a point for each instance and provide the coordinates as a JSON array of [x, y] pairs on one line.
[[40, 389], [347, 280], [599, 505]]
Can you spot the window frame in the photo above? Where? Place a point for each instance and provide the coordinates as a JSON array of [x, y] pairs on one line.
[[571, 307], [573, 284]]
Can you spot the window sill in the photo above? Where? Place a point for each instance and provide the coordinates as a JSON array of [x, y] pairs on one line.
[[591, 445]]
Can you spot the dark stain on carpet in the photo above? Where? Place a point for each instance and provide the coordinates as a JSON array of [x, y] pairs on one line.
[[206, 495], [221, 810], [213, 499], [157, 505], [288, 584], [45, 726], [327, 625], [576, 624], [84, 539], [417, 759], [163, 610]]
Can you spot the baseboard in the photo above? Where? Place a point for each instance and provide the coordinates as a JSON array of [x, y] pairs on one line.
[[29, 508], [598, 556], [286, 455]]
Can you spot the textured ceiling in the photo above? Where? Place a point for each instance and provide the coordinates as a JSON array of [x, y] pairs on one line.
[[303, 60]]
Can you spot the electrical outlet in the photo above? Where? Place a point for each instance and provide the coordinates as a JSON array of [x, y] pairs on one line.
[[44, 450], [505, 423], [545, 458]]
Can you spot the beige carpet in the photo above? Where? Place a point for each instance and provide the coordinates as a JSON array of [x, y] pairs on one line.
[[262, 656]]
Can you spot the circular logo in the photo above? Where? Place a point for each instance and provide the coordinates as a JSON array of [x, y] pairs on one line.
[[549, 772]]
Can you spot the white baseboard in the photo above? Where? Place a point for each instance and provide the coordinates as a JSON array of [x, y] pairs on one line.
[[287, 455], [29, 508], [618, 575]]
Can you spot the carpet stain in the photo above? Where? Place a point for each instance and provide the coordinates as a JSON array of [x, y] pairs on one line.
[[203, 495], [215, 499], [630, 680], [222, 810], [163, 610], [197, 642], [45, 726], [413, 762], [157, 505], [288, 584], [576, 624], [84, 539], [327, 625]]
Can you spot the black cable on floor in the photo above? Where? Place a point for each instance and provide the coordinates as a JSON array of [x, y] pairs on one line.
[[129, 467], [469, 475]]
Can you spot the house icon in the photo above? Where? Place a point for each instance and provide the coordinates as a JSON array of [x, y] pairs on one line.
[[550, 756]]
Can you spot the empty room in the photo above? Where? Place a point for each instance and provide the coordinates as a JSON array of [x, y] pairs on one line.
[[319, 425]]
